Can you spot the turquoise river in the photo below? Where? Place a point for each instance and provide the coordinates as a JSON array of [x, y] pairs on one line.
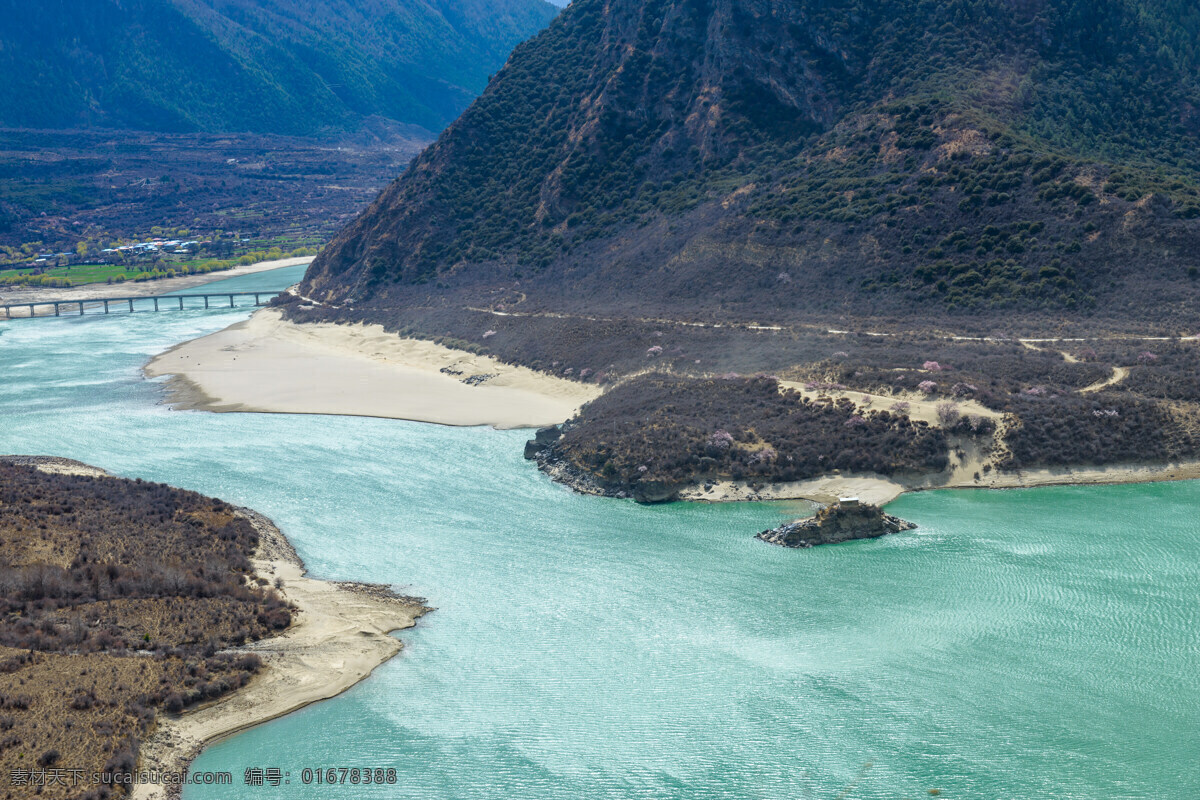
[[1019, 644]]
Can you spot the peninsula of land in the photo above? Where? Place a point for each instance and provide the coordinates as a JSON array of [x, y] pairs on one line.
[[340, 633], [114, 571]]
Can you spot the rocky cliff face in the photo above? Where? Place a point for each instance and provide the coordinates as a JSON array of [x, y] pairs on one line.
[[840, 522], [769, 158], [613, 95]]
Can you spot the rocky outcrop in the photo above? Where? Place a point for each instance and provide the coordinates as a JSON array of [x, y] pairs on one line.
[[543, 449], [840, 522], [544, 439]]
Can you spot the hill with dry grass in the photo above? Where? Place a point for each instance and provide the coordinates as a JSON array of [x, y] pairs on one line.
[[121, 600]]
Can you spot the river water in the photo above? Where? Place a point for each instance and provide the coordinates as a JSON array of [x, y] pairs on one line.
[[1041, 643]]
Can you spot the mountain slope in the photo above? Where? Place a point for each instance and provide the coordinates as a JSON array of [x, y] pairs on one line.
[[763, 159], [262, 66]]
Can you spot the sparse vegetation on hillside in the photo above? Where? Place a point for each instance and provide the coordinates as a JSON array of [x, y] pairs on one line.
[[674, 431], [972, 156], [252, 65], [119, 601]]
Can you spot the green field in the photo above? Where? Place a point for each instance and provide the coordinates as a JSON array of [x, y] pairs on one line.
[[77, 275]]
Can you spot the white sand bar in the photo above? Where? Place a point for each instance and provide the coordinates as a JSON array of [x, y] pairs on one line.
[[339, 634], [269, 364]]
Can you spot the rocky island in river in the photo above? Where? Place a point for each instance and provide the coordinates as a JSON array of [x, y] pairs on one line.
[[844, 521]]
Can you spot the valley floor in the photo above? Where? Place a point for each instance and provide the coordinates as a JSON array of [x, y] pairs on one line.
[[26, 294]]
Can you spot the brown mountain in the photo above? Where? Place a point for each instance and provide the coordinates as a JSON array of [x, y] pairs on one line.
[[762, 159]]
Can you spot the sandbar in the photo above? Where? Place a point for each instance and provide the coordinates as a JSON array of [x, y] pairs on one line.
[[339, 635], [269, 364]]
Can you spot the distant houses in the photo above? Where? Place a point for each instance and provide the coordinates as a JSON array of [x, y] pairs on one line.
[[172, 249], [49, 260], [141, 252]]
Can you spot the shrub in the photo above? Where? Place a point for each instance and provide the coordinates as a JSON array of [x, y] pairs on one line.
[[948, 413]]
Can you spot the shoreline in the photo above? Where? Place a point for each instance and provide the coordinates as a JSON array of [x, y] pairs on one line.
[[870, 488], [879, 490], [341, 633], [268, 364], [22, 294]]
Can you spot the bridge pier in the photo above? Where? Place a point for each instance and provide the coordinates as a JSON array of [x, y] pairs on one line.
[[181, 302], [156, 304], [256, 303], [56, 309], [206, 301], [31, 310], [81, 308], [231, 301], [131, 305], [105, 306]]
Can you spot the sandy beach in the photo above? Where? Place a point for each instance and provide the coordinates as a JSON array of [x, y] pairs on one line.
[[338, 637], [269, 364], [878, 490], [24, 294]]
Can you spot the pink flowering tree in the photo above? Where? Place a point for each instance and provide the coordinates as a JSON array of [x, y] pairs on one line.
[[720, 439], [927, 387], [763, 456], [931, 366]]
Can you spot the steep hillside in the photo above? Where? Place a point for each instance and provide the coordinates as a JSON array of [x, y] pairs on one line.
[[763, 159], [262, 66]]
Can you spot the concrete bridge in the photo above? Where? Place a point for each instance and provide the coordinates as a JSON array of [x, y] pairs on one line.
[[43, 308]]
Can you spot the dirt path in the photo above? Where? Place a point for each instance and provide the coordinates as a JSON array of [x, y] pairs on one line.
[[1118, 374], [919, 407], [1029, 342]]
